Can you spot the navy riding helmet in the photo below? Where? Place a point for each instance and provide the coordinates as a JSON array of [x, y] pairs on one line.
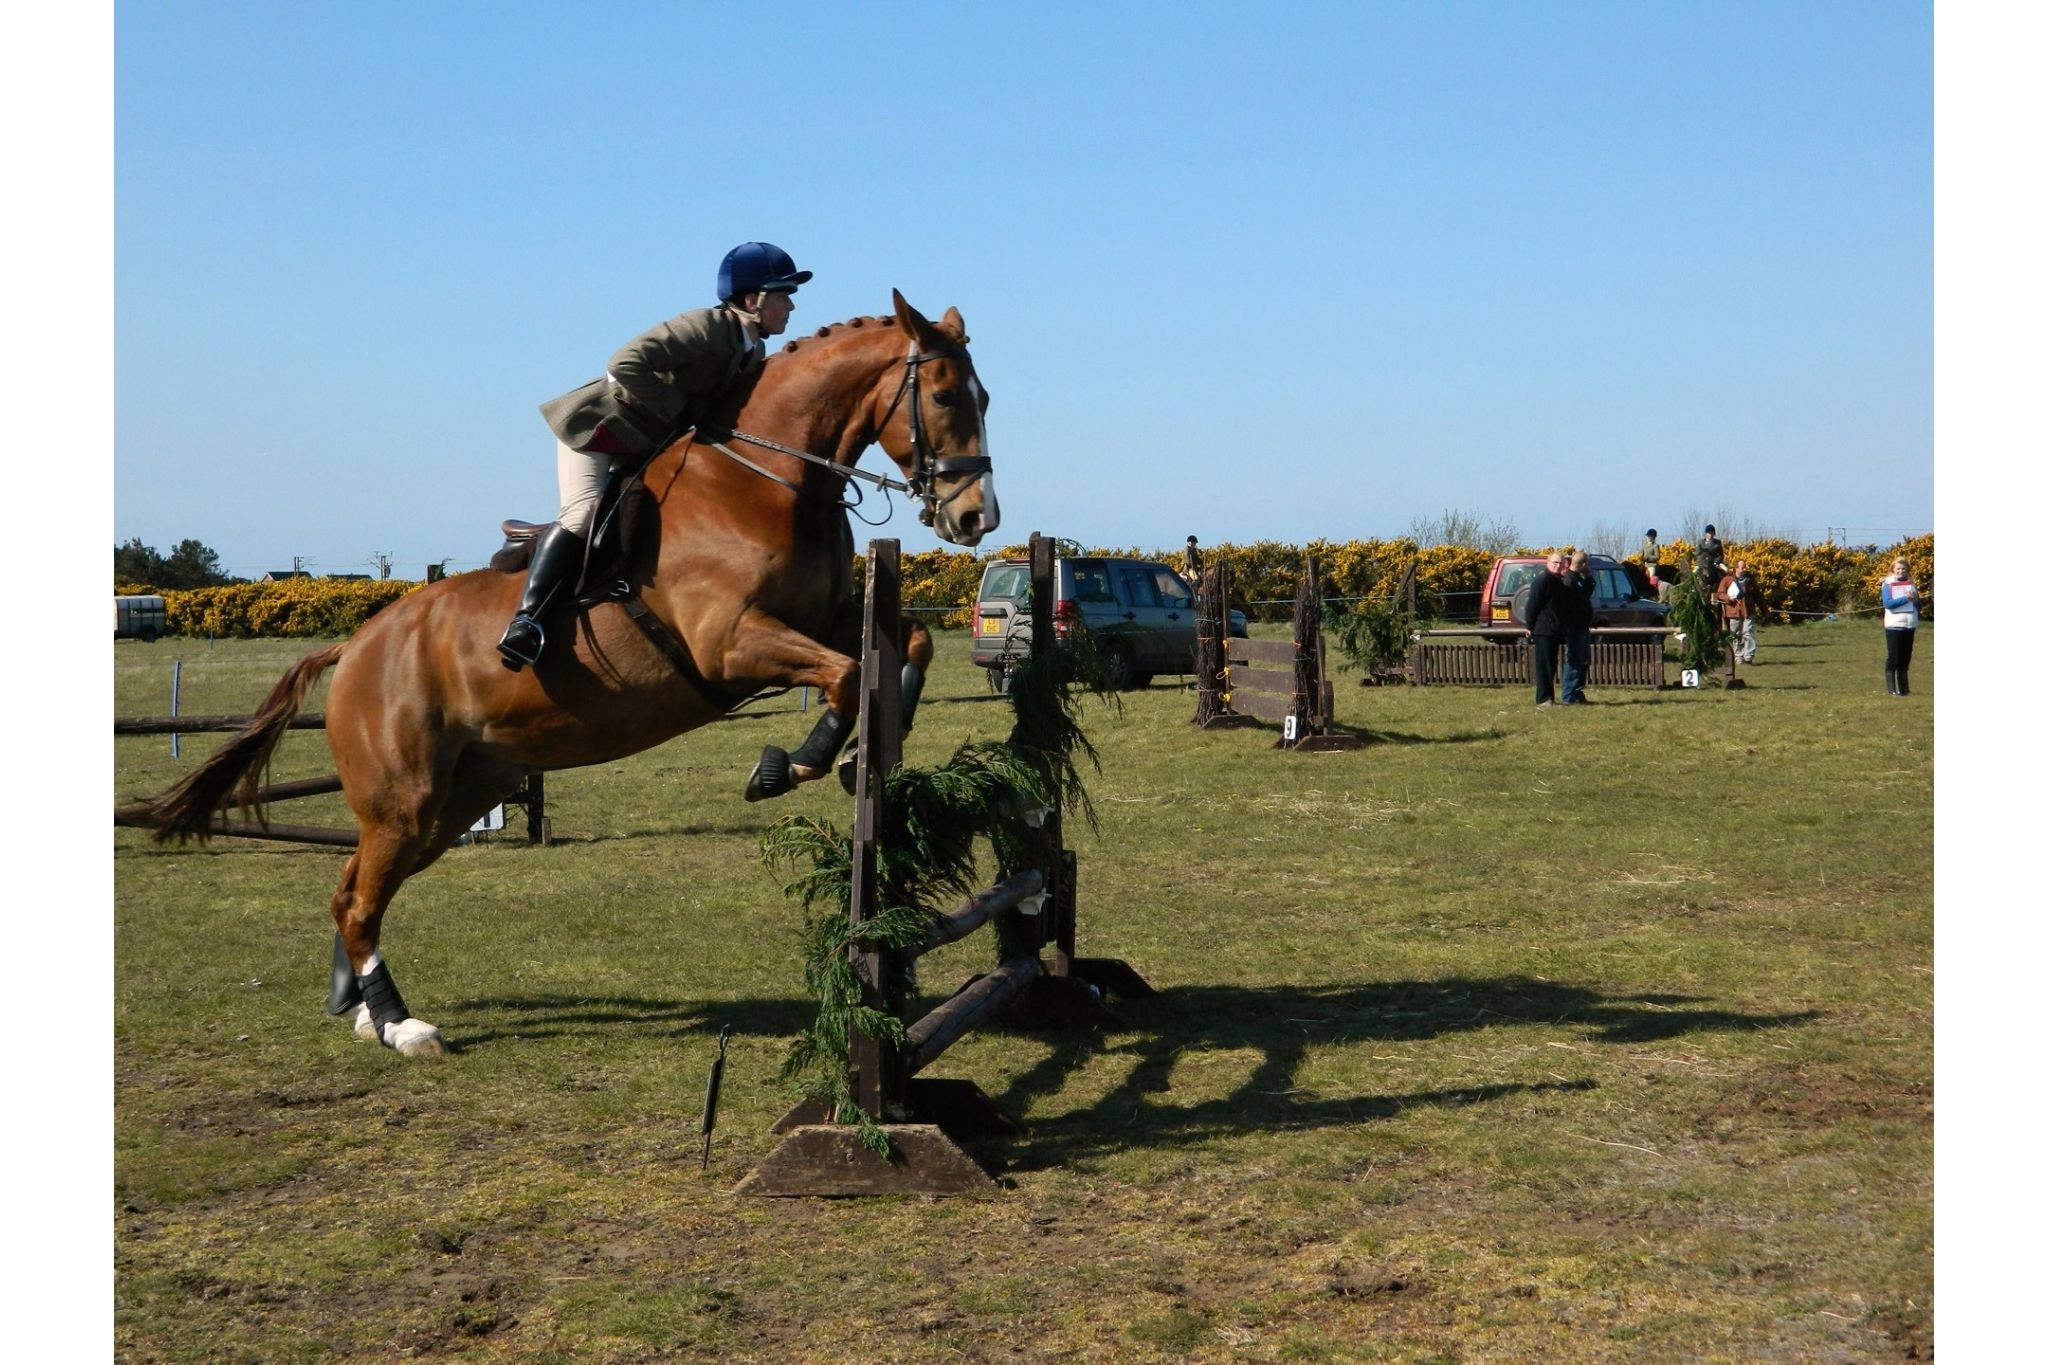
[[754, 266]]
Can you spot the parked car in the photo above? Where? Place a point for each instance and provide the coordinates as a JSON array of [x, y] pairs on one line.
[[1140, 613], [1618, 598]]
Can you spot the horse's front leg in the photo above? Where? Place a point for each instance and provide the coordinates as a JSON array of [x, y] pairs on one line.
[[917, 657], [763, 647]]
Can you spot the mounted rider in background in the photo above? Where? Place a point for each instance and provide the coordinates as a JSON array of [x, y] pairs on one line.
[[658, 385]]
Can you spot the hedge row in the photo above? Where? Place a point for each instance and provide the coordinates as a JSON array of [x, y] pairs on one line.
[[1792, 582], [294, 607]]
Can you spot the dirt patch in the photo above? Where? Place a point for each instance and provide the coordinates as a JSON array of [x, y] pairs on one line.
[[1810, 1099]]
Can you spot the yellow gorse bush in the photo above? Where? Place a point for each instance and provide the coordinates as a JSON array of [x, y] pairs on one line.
[[1792, 582], [295, 607]]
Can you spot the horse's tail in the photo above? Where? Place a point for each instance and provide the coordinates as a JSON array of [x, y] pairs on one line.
[[186, 811]]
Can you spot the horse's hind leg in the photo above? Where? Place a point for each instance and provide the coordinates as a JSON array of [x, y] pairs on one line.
[[382, 861], [476, 790]]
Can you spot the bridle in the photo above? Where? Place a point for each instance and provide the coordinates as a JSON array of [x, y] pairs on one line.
[[927, 466]]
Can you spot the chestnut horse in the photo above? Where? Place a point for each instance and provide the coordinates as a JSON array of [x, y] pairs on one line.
[[751, 573]]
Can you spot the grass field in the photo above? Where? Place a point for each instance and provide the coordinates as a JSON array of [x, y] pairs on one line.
[[1573, 1035]]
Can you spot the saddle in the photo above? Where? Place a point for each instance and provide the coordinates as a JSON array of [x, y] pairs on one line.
[[626, 520]]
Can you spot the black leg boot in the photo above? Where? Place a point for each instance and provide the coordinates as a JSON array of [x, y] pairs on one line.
[[557, 558]]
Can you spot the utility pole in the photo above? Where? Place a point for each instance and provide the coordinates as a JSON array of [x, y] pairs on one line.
[[383, 562]]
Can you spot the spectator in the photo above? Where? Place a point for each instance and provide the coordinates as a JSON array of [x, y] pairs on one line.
[[1653, 564], [1546, 626], [1709, 566], [1577, 610], [1738, 611], [1901, 601]]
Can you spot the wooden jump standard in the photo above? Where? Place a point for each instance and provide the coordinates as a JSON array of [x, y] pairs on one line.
[[1286, 682], [532, 794], [1046, 985]]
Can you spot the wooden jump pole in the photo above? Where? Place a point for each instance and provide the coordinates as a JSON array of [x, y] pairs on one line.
[[922, 1116]]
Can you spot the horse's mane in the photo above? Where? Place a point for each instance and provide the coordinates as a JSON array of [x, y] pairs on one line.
[[837, 329]]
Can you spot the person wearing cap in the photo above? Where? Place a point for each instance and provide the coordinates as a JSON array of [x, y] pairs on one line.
[[656, 387], [1709, 566], [1653, 565]]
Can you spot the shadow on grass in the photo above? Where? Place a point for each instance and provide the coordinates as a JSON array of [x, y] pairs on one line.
[[1492, 732], [1282, 1024], [558, 1016]]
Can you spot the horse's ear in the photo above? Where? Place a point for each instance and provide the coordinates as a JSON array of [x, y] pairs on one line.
[[954, 325], [915, 323]]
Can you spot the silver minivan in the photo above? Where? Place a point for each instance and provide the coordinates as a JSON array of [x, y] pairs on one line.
[[1140, 613]]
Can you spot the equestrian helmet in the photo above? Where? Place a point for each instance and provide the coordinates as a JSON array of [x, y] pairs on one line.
[[753, 267]]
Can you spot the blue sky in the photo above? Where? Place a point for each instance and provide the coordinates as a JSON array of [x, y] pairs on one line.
[[1235, 271]]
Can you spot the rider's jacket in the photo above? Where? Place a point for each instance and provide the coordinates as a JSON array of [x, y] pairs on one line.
[[659, 382]]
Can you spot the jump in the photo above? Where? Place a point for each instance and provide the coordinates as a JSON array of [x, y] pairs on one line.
[[729, 575]]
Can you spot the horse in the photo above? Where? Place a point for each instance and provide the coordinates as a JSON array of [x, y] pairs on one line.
[[749, 584]]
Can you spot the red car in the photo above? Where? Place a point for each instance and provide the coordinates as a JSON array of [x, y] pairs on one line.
[[1621, 593]]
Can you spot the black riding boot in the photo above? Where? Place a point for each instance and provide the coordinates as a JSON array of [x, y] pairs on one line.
[[557, 556]]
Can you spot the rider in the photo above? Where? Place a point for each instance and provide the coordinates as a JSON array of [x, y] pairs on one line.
[[657, 386]]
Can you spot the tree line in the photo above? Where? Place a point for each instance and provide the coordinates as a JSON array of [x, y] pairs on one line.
[[190, 564]]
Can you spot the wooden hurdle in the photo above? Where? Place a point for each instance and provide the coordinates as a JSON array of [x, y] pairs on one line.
[[1284, 682], [1046, 984], [532, 793], [1623, 656]]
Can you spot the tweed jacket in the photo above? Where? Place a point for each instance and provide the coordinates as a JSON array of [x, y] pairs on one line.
[[659, 383]]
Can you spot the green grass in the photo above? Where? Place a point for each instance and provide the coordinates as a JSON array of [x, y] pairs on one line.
[[1589, 1034]]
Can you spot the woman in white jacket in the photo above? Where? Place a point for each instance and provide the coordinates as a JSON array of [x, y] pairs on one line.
[[1901, 600]]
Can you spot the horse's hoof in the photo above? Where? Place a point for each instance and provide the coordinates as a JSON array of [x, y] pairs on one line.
[[408, 1037], [416, 1038], [770, 777], [849, 769]]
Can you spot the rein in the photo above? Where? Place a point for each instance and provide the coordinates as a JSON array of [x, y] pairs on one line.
[[926, 467]]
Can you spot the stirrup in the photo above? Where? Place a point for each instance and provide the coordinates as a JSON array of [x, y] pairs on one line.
[[515, 651]]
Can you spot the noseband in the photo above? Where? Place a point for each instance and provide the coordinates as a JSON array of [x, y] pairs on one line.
[[926, 465]]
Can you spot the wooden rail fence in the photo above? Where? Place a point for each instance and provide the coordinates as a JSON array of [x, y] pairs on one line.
[[532, 793]]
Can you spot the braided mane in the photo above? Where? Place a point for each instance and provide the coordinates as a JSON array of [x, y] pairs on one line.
[[837, 328]]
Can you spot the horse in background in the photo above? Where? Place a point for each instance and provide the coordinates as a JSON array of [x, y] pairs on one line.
[[750, 576]]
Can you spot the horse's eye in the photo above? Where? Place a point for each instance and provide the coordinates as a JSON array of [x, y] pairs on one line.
[[944, 398]]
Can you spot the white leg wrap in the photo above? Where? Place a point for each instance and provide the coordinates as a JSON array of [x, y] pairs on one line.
[[414, 1038], [366, 1028]]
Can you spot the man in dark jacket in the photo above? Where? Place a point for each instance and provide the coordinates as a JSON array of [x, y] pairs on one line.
[[1546, 612], [1577, 610]]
